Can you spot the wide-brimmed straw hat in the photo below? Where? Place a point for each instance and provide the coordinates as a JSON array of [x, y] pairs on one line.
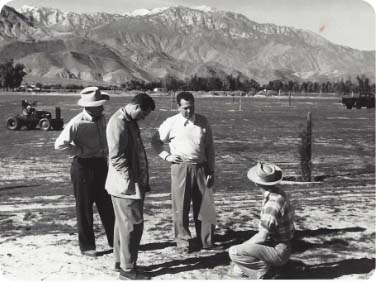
[[265, 174], [92, 97]]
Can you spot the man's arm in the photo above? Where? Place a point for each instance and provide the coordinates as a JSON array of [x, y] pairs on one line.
[[210, 156], [259, 237], [117, 139], [65, 141], [160, 138]]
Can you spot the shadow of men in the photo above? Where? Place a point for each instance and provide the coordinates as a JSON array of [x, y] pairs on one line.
[[188, 264], [294, 269]]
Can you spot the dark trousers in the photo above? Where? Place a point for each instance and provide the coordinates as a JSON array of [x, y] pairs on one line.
[[188, 184], [129, 226], [88, 178]]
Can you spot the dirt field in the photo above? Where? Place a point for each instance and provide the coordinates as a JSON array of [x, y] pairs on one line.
[[335, 214]]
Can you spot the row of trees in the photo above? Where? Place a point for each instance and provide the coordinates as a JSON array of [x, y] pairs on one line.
[[362, 85], [230, 83], [11, 75]]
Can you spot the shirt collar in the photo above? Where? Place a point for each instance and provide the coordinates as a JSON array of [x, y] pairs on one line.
[[89, 117], [186, 121], [275, 190], [125, 114]]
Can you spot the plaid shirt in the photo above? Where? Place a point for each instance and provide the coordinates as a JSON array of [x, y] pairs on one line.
[[277, 216]]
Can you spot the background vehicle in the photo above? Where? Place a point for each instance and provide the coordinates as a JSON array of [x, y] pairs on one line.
[[358, 101], [31, 118]]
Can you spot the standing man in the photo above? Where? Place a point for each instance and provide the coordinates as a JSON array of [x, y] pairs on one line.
[[271, 245], [127, 182], [84, 140], [191, 155]]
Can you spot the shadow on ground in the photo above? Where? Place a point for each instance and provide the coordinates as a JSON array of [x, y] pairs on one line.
[[294, 269]]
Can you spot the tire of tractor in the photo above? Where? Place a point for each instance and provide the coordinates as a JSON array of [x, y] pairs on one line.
[[45, 124], [13, 123]]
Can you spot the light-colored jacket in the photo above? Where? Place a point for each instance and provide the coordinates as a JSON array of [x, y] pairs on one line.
[[127, 158]]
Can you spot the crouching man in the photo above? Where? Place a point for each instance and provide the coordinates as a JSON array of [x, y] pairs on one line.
[[270, 246]]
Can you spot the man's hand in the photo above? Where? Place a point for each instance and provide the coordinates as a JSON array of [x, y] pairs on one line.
[[137, 195], [209, 180], [174, 159]]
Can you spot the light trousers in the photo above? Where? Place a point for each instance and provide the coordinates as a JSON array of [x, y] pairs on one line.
[[188, 184], [255, 259], [129, 226]]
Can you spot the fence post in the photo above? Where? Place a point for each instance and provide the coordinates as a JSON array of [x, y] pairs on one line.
[[306, 150], [240, 102]]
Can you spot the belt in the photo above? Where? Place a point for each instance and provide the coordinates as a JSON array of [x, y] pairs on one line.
[[198, 165]]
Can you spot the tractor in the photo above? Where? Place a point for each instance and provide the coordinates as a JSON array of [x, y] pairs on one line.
[[31, 118]]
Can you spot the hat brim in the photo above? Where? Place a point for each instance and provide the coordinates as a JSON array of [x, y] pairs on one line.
[[104, 99], [252, 175]]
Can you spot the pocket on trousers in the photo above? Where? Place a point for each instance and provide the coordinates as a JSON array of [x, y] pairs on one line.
[[135, 213]]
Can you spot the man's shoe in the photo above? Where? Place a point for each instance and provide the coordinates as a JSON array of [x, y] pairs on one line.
[[117, 266], [89, 253], [132, 275], [236, 272], [213, 247], [183, 250]]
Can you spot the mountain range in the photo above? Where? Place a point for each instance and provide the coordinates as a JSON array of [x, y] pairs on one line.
[[172, 41]]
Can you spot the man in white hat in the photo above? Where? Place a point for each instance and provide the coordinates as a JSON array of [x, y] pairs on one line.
[[84, 140], [270, 246]]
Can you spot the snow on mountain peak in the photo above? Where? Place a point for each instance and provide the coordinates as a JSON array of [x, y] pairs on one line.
[[28, 8], [204, 8], [146, 12]]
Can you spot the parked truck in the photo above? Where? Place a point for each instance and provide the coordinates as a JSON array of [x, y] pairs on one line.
[[359, 101]]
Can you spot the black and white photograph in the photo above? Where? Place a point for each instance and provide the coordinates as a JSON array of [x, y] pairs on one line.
[[187, 140]]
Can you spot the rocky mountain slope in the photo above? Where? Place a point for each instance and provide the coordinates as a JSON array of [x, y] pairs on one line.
[[176, 41]]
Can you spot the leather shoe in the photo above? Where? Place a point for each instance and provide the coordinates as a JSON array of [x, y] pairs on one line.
[[236, 272], [183, 250], [213, 247], [132, 275], [89, 253]]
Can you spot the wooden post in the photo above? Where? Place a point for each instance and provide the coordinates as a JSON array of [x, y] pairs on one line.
[[306, 150]]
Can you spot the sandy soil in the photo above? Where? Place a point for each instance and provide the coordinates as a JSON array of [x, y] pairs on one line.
[[335, 214], [39, 241]]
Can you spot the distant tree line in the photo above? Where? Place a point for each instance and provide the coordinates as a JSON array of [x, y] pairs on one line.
[[230, 83], [11, 74]]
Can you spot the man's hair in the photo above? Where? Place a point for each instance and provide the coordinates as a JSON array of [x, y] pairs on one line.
[[144, 100], [186, 96]]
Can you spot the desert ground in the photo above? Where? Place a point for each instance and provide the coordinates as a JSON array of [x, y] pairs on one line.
[[335, 212]]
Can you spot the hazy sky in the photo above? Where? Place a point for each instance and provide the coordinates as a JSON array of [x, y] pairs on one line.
[[346, 22]]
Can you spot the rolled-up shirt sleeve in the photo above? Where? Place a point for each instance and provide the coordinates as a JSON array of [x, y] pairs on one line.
[[269, 219], [65, 141], [160, 138]]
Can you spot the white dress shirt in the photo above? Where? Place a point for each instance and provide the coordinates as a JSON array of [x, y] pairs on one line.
[[191, 139]]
